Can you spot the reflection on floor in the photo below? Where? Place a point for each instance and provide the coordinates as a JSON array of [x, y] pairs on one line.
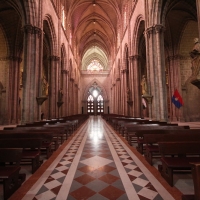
[[98, 164]]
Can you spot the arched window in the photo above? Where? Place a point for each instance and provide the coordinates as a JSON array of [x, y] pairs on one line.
[[90, 104], [100, 104], [95, 66]]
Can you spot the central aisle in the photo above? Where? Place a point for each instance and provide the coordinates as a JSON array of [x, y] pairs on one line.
[[97, 165]]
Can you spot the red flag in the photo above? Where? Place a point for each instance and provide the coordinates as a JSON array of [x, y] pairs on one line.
[[177, 99]]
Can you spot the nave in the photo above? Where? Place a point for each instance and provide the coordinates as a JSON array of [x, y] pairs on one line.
[[96, 164]]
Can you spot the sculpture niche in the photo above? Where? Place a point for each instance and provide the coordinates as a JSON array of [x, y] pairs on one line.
[[144, 90], [44, 91]]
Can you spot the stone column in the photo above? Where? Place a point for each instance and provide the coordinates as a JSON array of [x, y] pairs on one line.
[[32, 63], [123, 94], [113, 98], [76, 102], [27, 74], [135, 84], [64, 73], [174, 83], [156, 72], [71, 94], [151, 72], [12, 91], [126, 86], [53, 86], [36, 70], [118, 104], [162, 95]]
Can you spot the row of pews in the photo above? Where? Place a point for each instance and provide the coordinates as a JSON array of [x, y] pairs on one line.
[[31, 144], [177, 147]]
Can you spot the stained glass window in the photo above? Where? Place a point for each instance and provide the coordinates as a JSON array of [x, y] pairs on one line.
[[94, 66]]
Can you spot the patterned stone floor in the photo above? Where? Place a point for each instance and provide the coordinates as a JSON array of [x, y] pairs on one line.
[[96, 165]]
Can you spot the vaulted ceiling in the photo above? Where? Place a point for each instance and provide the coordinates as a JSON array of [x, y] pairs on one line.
[[94, 26]]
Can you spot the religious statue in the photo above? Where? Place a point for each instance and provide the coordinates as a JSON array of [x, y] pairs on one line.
[[60, 95], [45, 87], [144, 85], [195, 55]]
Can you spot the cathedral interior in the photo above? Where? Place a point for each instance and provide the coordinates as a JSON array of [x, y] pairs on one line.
[[62, 58]]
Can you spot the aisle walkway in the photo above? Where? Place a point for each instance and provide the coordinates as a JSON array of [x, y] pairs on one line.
[[96, 165]]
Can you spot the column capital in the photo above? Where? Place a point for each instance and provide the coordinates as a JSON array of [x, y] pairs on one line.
[[159, 28], [37, 31], [124, 71], [64, 71], [28, 28], [54, 58], [149, 30], [11, 58], [175, 57], [117, 79], [134, 57]]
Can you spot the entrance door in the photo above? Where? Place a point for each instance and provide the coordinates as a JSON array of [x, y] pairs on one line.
[[95, 103]]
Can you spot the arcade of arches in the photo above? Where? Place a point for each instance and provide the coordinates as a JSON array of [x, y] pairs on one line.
[[56, 55]]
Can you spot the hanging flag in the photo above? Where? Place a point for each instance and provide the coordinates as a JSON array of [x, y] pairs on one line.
[[177, 99]]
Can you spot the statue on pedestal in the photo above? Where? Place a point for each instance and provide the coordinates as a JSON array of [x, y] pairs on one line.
[[45, 87], [144, 85]]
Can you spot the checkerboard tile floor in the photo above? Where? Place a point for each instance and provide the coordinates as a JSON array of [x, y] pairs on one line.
[[96, 165]]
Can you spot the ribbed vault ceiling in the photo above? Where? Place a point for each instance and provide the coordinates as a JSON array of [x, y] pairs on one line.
[[94, 25]]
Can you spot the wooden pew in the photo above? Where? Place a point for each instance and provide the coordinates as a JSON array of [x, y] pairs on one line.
[[12, 180], [140, 135], [130, 131], [48, 140], [182, 154], [31, 149], [152, 141], [196, 181]]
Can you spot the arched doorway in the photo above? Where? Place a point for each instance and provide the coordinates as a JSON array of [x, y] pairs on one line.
[[95, 101]]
